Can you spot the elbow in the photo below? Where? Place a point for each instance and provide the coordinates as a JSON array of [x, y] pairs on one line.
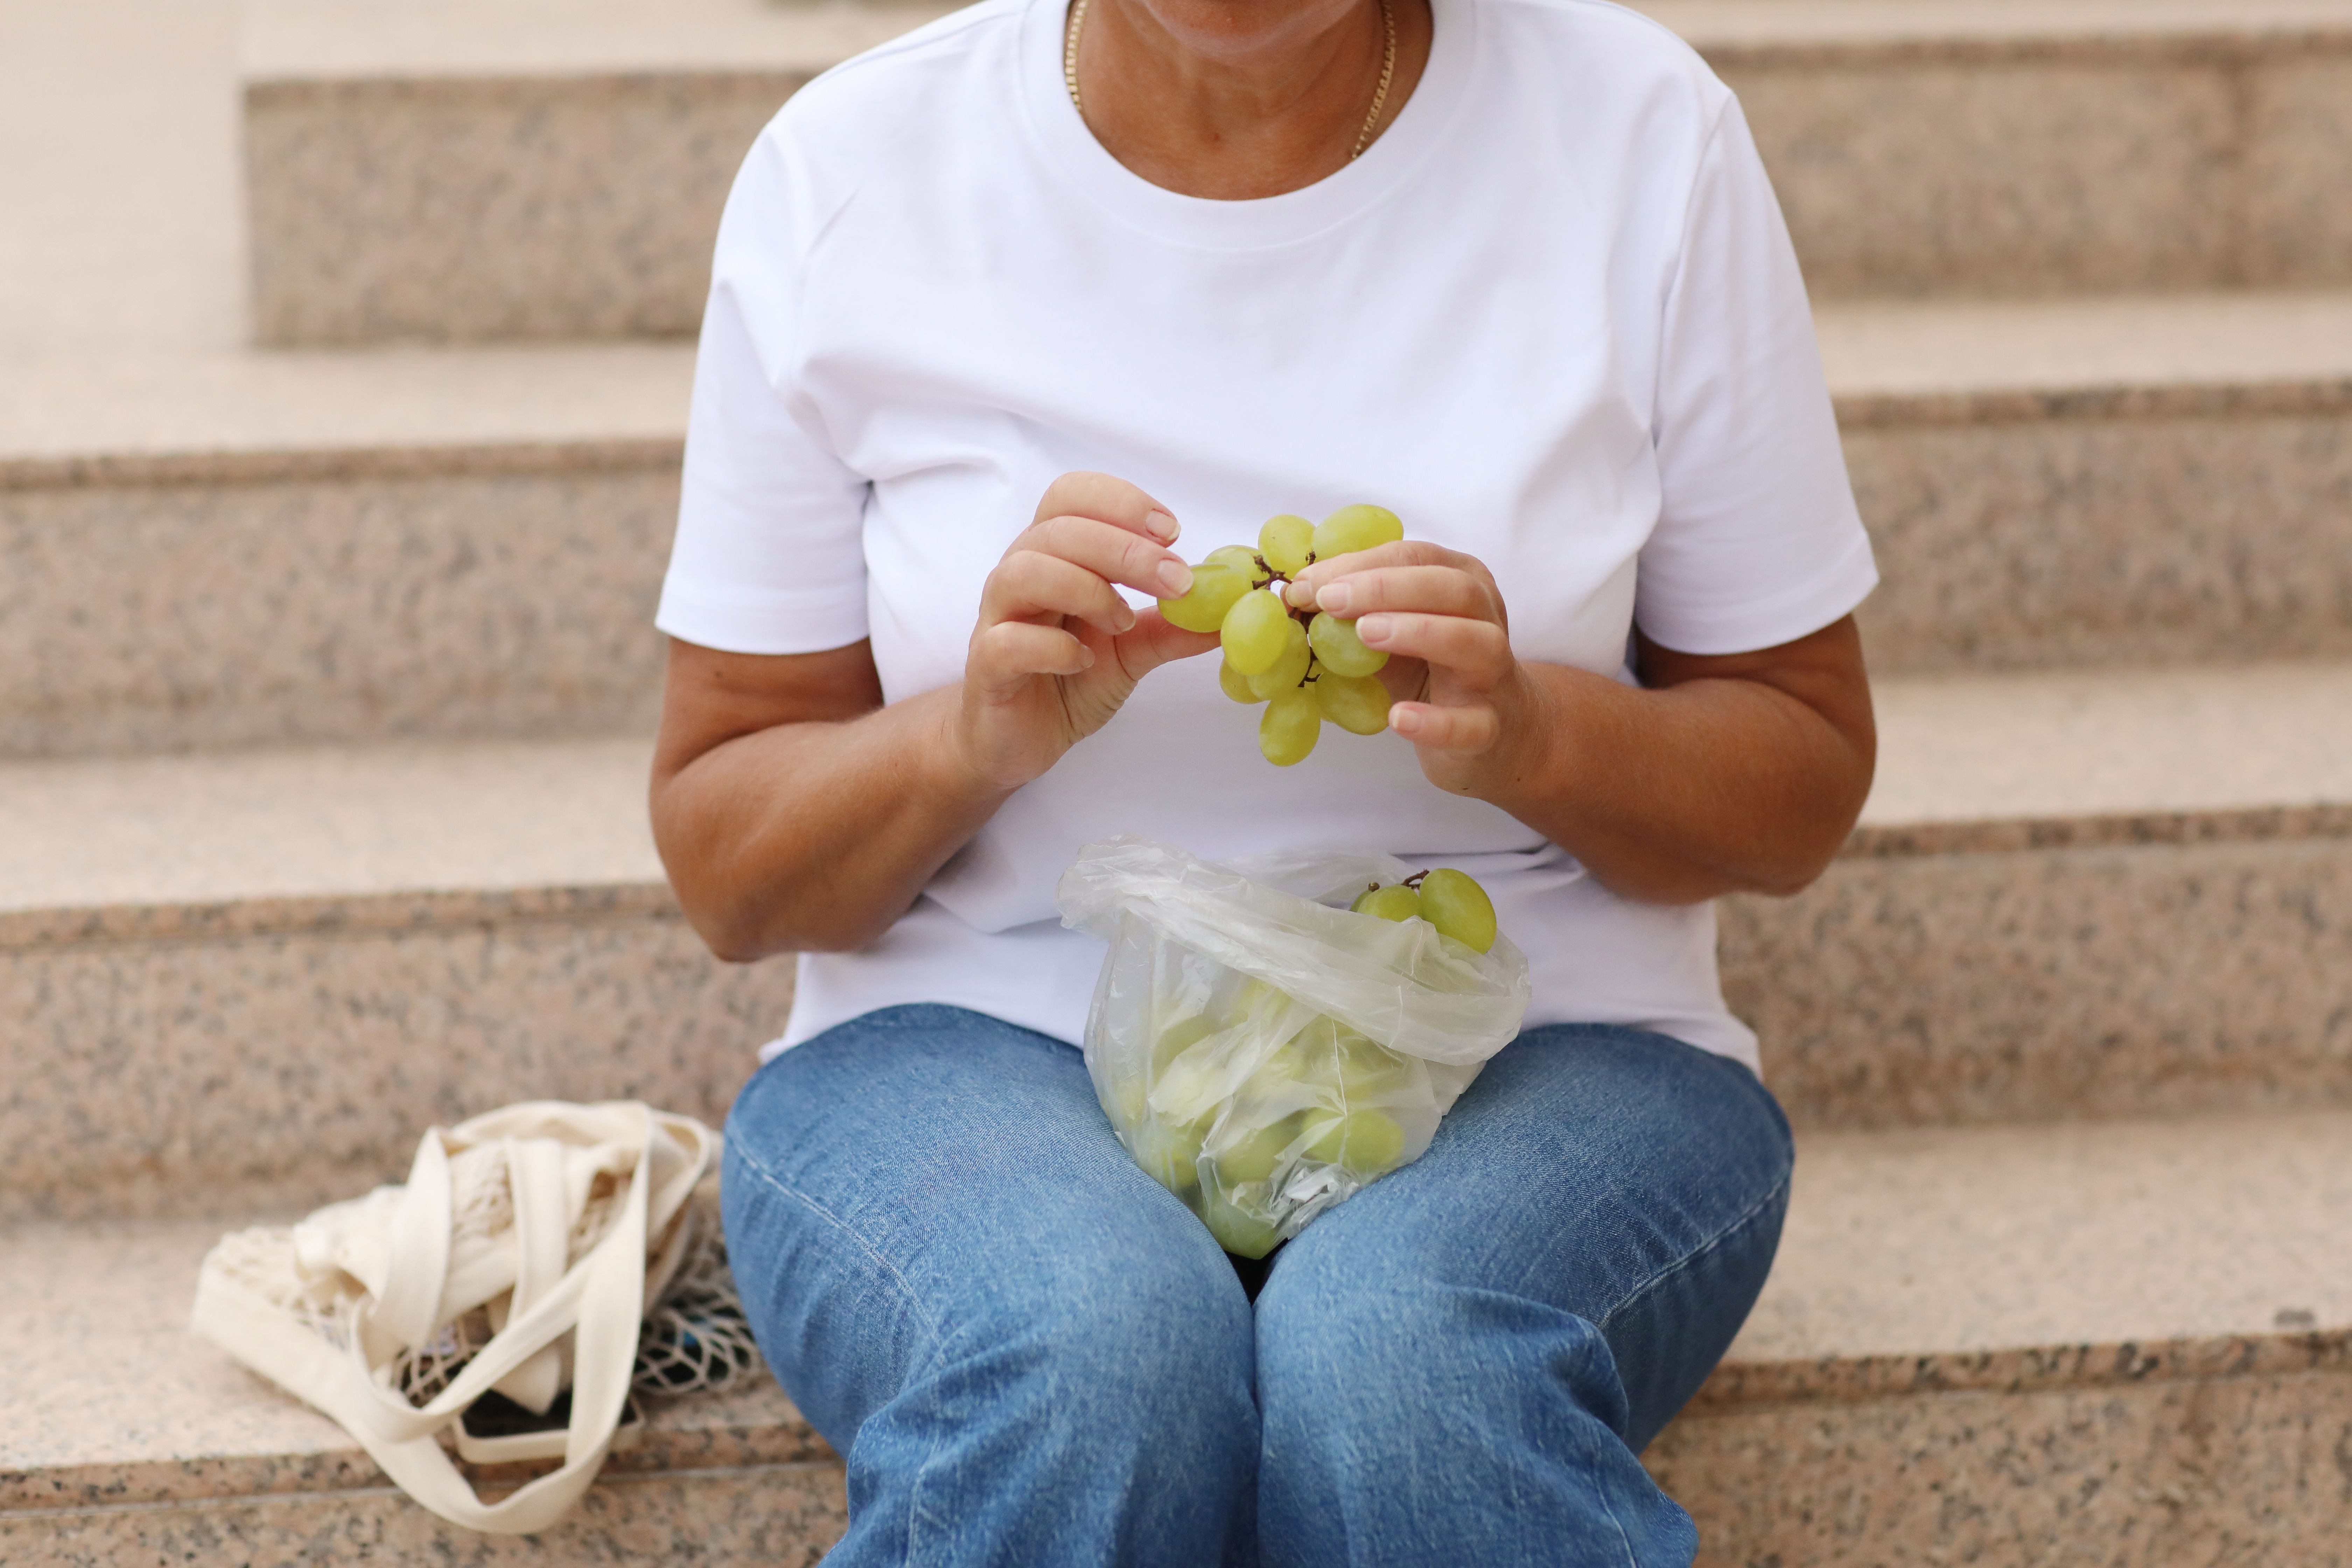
[[746, 931]]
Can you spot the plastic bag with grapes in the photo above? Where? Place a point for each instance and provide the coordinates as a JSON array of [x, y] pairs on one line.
[[1261, 1051]]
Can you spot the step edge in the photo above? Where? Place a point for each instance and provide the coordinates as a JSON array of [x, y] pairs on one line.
[[2174, 398], [418, 910], [1858, 410], [297, 463], [2216, 44], [334, 914], [2099, 830], [2023, 1370], [611, 1477]]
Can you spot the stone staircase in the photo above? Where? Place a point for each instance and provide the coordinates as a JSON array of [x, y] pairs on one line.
[[326, 675]]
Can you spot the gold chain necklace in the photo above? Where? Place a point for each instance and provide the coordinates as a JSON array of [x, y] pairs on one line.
[[1380, 94]]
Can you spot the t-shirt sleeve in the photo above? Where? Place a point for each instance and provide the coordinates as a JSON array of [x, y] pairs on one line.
[[1758, 541], [769, 555]]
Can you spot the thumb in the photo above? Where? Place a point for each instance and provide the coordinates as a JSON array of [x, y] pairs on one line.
[[1152, 642]]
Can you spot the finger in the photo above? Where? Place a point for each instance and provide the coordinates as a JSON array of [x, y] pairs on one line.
[[1434, 589], [1476, 652], [1010, 652], [1108, 551], [1472, 727], [1403, 552], [1154, 642], [1027, 584], [1108, 499]]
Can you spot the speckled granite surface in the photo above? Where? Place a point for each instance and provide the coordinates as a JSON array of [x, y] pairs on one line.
[[185, 613], [2072, 148], [165, 1075], [2053, 984], [2107, 540], [2229, 1473], [2007, 1339]]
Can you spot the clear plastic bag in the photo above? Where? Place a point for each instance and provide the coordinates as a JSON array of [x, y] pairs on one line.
[[1263, 1052]]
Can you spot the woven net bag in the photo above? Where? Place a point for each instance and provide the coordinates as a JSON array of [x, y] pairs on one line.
[[536, 1249]]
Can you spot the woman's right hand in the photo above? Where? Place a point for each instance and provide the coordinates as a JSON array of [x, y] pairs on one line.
[[1057, 650]]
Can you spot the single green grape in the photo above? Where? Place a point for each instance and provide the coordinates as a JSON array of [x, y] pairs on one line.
[[1367, 1142], [1256, 630], [1353, 528], [1203, 606], [1256, 1154], [1240, 557], [1181, 1037], [1394, 902], [1292, 724], [1235, 684], [1340, 649], [1359, 706], [1368, 1070], [1458, 907], [1284, 542], [1243, 1235], [1288, 670], [1169, 1155]]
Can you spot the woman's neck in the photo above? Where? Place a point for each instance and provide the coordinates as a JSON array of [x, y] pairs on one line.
[[1234, 99]]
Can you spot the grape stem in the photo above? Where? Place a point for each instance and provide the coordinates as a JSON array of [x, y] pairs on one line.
[[1273, 576]]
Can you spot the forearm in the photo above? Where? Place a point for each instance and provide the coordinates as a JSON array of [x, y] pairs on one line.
[[1679, 795], [817, 836]]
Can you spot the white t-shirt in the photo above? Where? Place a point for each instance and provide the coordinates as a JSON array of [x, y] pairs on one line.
[[1551, 318]]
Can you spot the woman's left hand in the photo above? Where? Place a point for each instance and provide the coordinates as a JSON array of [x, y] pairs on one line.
[[1462, 699]]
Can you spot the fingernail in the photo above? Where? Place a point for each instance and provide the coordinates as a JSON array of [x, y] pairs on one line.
[[1162, 527], [1404, 720], [1372, 629], [1126, 618], [1335, 598], [1175, 576], [1300, 594], [1086, 659]]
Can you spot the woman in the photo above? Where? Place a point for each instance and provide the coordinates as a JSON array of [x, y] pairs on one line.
[[1000, 311]]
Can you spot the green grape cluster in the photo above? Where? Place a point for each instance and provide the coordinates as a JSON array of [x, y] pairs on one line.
[[1316, 1099], [1306, 667], [1449, 900], [1230, 1141]]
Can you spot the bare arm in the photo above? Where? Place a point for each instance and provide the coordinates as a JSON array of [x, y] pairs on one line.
[[794, 810], [1736, 773]]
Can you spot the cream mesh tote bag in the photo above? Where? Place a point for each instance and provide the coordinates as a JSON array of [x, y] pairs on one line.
[[537, 1247]]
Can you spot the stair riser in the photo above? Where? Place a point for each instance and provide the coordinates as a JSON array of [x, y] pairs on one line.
[[278, 1069], [2008, 542], [782, 1516], [2053, 984], [163, 616], [484, 208], [2048, 172], [510, 208], [157, 616], [2168, 1475], [275, 1071]]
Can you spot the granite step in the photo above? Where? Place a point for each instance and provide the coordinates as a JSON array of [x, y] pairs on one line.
[[231, 549], [2091, 894], [2113, 480], [458, 169], [2072, 895], [227, 548], [253, 978], [2121, 1342]]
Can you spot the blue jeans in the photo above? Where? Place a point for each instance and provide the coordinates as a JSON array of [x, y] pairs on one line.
[[1029, 1353]]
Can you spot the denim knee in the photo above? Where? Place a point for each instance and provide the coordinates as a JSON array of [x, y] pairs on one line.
[[1399, 1414]]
